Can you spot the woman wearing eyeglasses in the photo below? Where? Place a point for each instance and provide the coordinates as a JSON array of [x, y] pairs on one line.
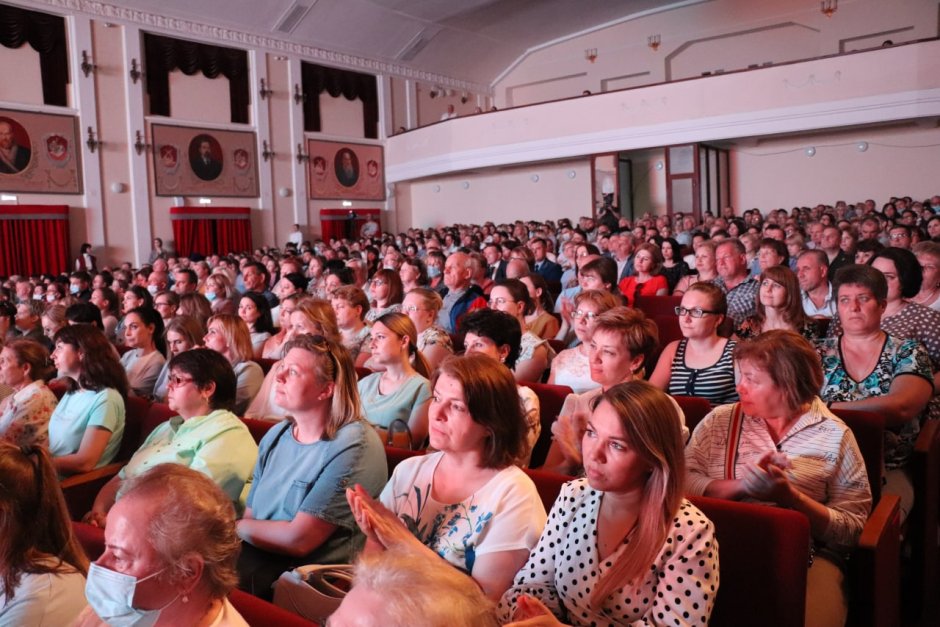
[[205, 435], [422, 305], [701, 364], [621, 344], [535, 355], [387, 293], [297, 511], [572, 366]]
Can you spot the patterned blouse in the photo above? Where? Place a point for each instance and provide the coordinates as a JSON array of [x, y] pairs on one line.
[[898, 357], [24, 415], [435, 336]]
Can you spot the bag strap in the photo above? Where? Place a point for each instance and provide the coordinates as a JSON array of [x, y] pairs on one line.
[[734, 439]]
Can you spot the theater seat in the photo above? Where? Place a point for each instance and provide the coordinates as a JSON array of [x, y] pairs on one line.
[[266, 364], [551, 399], [548, 484], [764, 554], [395, 455], [258, 428], [362, 372], [695, 409], [658, 305]]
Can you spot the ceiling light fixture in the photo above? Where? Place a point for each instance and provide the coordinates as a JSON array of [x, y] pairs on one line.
[[828, 7], [653, 41], [591, 54]]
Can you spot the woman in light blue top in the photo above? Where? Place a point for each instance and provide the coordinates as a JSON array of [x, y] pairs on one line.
[[205, 436], [86, 427], [402, 390]]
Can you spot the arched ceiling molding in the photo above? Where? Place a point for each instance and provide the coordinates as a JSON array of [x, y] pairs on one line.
[[191, 29]]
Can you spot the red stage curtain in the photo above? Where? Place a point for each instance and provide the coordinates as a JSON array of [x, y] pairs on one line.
[[211, 230], [340, 223], [34, 239]]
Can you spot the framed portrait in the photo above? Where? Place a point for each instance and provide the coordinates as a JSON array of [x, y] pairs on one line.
[[345, 171], [39, 153], [191, 161]]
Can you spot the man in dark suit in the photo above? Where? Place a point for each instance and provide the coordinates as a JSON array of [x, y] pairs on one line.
[[204, 165], [545, 267], [13, 157], [495, 264]]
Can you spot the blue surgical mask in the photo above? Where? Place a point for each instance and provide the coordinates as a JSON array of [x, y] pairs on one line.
[[73, 288], [210, 296], [434, 271], [111, 595]]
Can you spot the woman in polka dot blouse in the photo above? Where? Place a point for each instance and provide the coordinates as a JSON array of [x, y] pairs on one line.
[[622, 546]]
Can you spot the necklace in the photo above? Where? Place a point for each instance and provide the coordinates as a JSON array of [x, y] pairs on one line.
[[920, 300]]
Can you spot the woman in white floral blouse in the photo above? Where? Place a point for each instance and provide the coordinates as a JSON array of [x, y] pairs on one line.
[[24, 415]]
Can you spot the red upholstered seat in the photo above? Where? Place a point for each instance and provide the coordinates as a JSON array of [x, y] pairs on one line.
[[362, 372], [695, 409], [551, 398], [658, 305], [266, 364], [395, 455], [258, 427], [764, 554]]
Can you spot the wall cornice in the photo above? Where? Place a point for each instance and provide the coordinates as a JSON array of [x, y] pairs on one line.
[[192, 29]]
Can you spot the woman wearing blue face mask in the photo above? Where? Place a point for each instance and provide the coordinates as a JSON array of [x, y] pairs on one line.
[[42, 566], [170, 554]]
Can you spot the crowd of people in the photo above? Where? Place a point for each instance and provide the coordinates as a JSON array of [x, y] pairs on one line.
[[429, 340]]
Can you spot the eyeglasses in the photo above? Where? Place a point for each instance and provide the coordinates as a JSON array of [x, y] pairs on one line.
[[413, 308], [695, 312], [588, 315], [379, 282], [500, 301], [897, 236], [175, 381]]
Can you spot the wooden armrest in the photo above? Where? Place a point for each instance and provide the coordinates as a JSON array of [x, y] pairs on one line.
[[876, 565], [923, 521], [92, 475]]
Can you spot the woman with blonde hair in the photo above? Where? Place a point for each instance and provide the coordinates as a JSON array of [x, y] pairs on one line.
[[621, 539], [221, 293], [53, 320], [705, 270], [195, 305], [351, 306], [42, 565], [311, 316], [401, 392], [422, 305], [572, 366], [297, 513], [228, 335], [274, 345]]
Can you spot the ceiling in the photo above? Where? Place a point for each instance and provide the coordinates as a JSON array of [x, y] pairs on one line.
[[467, 40]]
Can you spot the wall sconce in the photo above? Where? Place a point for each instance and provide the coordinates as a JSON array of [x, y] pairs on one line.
[[464, 97], [302, 157], [434, 92], [653, 41], [810, 152], [828, 7], [265, 92], [140, 145], [92, 142], [591, 54], [134, 72], [299, 96], [861, 146], [87, 66], [266, 152]]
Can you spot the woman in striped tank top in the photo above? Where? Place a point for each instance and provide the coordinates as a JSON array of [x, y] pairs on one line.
[[701, 364]]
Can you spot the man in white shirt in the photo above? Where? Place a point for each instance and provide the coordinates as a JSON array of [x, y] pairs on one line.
[[296, 237], [812, 267]]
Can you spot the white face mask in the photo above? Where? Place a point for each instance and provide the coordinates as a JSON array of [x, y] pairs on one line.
[[111, 595], [153, 289]]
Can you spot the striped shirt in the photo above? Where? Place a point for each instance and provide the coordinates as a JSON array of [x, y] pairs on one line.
[[827, 465], [715, 382]]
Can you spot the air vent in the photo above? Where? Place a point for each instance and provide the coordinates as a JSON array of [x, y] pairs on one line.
[[293, 16], [416, 45]]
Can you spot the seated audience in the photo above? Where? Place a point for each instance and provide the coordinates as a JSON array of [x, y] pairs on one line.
[[86, 427], [572, 366], [535, 355], [387, 294], [254, 309], [195, 305], [779, 306], [53, 320], [400, 393], [228, 335], [438, 595], [493, 511], [622, 545], [297, 512], [622, 343], [182, 334], [172, 535], [106, 300], [928, 256], [647, 279], [144, 359], [351, 306], [789, 450], [674, 267], [701, 363], [42, 565], [422, 305], [704, 268], [205, 435], [221, 293], [540, 322], [25, 413], [274, 344]]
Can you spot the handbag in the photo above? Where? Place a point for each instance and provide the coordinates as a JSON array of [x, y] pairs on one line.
[[314, 591], [397, 435]]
